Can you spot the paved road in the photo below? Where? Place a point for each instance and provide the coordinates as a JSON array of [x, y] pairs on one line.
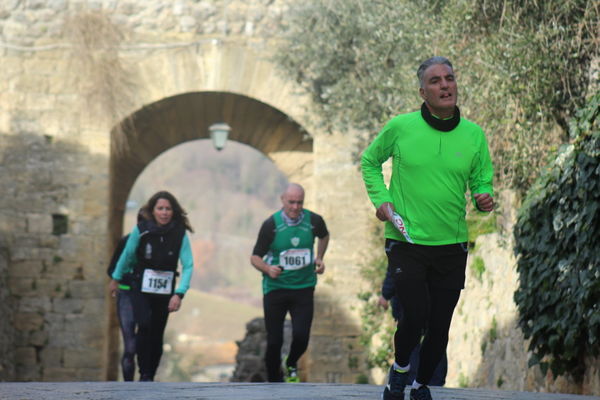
[[241, 391]]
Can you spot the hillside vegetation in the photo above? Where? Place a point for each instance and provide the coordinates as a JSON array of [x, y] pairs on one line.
[[227, 195]]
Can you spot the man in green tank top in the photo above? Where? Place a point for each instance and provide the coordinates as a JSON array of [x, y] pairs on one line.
[[284, 253], [436, 156]]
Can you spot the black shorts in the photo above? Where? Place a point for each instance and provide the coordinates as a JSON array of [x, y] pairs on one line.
[[440, 266]]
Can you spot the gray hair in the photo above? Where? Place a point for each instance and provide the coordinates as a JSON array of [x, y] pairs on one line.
[[428, 63]]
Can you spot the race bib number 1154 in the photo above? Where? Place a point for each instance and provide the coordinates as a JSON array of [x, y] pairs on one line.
[[157, 282]]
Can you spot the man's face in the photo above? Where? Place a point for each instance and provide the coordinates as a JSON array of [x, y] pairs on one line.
[[439, 90], [293, 202]]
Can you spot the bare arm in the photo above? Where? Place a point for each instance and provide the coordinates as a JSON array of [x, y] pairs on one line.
[[272, 270], [321, 249]]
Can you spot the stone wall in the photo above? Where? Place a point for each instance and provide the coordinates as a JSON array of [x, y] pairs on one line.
[[72, 71], [7, 333], [53, 273], [487, 348]]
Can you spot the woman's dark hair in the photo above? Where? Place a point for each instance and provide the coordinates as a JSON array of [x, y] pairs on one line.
[[179, 214]]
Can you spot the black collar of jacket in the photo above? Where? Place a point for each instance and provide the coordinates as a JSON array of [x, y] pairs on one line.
[[444, 125], [149, 226]]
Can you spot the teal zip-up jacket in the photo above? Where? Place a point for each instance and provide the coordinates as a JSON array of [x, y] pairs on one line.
[[431, 171]]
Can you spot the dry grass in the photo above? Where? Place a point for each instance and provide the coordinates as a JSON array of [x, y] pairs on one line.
[[103, 82]]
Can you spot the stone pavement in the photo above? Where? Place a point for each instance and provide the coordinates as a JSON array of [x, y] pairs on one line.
[[245, 391]]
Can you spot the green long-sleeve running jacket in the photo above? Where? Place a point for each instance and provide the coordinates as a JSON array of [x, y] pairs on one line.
[[431, 170]]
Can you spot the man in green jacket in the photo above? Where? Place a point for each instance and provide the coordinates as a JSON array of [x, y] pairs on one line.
[[437, 156]]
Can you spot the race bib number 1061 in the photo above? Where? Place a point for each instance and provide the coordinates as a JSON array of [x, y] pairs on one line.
[[295, 259]]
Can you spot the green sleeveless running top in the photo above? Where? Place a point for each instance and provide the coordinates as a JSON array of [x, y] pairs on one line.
[[431, 171], [292, 250]]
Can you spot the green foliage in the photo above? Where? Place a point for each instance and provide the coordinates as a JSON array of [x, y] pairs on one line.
[[478, 268], [500, 382], [557, 240], [526, 66], [545, 36], [493, 333], [492, 336], [479, 223], [354, 58], [463, 381]]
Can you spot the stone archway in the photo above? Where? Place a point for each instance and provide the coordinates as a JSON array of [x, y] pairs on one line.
[[159, 126]]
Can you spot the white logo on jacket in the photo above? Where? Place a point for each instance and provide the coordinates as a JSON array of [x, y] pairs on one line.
[[295, 241]]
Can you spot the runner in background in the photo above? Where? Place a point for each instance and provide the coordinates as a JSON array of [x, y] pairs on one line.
[[284, 253], [125, 315], [150, 258]]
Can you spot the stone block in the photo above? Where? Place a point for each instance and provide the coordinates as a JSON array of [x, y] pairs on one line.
[[51, 357], [87, 290], [82, 358], [21, 253], [50, 240], [38, 338], [63, 338], [64, 269], [25, 268], [27, 373], [90, 374], [67, 306], [37, 304], [52, 287], [32, 83], [93, 335], [55, 320], [70, 244], [9, 222], [25, 356], [94, 306], [59, 374], [22, 286], [81, 323], [28, 321]]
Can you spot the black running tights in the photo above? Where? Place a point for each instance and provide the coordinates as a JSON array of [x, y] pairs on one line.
[[151, 315], [127, 323], [276, 304], [426, 309]]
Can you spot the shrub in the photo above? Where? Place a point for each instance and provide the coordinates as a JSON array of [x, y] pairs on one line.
[[557, 240]]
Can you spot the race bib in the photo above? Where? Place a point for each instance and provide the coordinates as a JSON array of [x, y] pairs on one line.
[[295, 259], [157, 282]]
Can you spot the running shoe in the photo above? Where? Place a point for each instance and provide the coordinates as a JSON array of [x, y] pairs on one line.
[[421, 393], [291, 375], [394, 390]]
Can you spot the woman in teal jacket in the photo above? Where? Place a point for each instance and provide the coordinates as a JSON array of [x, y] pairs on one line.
[[148, 265]]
